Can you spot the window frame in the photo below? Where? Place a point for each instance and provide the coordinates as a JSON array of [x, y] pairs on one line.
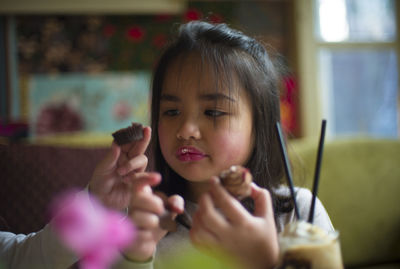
[[311, 99]]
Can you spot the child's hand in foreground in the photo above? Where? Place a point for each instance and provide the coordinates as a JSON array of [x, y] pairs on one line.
[[222, 222], [112, 179], [145, 209]]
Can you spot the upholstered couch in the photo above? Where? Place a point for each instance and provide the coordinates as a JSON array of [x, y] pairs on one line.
[[31, 175], [360, 188]]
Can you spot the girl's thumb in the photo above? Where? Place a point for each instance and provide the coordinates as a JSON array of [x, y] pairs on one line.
[[262, 201], [110, 160], [176, 204]]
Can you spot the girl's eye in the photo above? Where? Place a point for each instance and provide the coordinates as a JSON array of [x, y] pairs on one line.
[[214, 113], [171, 112]]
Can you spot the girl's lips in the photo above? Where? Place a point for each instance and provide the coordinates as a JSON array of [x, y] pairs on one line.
[[187, 154]]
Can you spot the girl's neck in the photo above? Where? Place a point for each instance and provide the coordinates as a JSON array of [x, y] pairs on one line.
[[196, 189]]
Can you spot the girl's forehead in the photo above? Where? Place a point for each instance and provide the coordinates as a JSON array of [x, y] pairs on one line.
[[191, 72]]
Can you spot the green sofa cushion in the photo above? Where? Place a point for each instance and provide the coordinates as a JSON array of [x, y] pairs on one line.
[[360, 188]]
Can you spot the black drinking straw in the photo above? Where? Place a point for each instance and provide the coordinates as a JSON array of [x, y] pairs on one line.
[[287, 167], [317, 171]]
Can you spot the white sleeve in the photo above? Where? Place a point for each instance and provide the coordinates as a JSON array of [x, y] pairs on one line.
[[123, 263], [321, 217], [35, 250]]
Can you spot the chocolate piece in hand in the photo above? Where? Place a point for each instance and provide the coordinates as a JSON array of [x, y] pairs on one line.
[[237, 181], [128, 134]]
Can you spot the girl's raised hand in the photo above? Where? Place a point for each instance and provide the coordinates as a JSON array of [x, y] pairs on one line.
[[112, 178], [221, 222], [145, 209]]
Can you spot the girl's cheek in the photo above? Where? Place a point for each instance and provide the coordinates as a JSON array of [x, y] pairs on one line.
[[234, 146]]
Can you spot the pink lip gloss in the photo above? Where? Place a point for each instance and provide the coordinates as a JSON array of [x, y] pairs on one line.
[[188, 154]]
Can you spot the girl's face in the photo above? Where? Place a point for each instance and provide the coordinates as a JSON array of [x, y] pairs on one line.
[[203, 129]]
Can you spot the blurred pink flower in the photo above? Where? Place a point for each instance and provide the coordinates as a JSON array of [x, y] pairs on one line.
[[135, 33], [93, 232], [192, 14], [122, 110]]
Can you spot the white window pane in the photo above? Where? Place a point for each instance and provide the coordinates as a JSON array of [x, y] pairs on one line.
[[360, 91], [355, 20]]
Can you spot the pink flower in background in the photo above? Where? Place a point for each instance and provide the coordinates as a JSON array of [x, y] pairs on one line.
[[135, 33], [122, 110], [93, 232], [193, 14], [288, 104]]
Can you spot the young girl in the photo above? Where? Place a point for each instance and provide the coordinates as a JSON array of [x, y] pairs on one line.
[[215, 102]]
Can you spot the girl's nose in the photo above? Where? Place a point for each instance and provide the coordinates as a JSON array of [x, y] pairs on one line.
[[189, 129]]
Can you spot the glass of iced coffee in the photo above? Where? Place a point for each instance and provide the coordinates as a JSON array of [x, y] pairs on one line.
[[306, 246]]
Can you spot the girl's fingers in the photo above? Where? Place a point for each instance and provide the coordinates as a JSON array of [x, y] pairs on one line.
[[143, 235], [173, 206], [102, 179], [176, 204], [126, 147], [142, 248], [139, 147], [144, 220], [203, 239], [147, 201], [200, 236], [262, 201], [209, 217], [135, 148], [230, 207], [137, 164], [138, 180], [110, 160], [122, 158]]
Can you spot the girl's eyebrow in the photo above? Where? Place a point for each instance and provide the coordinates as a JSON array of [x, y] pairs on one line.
[[169, 97], [206, 97], [216, 96]]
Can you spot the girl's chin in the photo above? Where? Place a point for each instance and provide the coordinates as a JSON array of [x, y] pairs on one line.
[[198, 180], [194, 174], [194, 178]]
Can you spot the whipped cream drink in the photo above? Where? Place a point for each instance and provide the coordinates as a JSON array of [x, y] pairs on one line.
[[303, 245]]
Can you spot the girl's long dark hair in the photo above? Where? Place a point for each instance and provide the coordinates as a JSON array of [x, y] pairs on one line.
[[229, 52]]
